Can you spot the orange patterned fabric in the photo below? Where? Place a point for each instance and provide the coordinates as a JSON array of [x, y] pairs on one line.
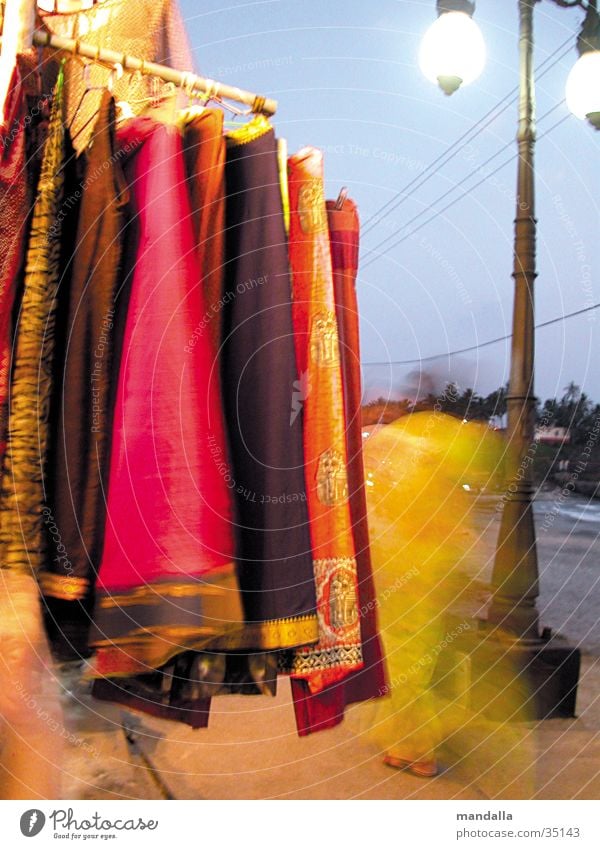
[[320, 398]]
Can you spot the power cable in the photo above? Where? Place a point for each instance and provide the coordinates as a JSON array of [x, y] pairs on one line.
[[482, 344], [450, 191], [456, 146]]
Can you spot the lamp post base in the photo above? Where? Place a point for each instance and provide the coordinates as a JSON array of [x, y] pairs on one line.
[[507, 680]]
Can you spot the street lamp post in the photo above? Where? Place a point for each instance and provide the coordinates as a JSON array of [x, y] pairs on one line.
[[515, 579]]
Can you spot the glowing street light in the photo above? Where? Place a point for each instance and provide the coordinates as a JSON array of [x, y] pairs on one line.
[[453, 50], [583, 83]]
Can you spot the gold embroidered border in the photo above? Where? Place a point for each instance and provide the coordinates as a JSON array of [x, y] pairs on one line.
[[272, 634], [150, 648], [161, 632], [155, 594], [254, 129], [303, 665], [66, 587], [143, 650]]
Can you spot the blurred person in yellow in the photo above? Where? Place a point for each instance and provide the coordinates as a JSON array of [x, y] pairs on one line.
[[421, 475]]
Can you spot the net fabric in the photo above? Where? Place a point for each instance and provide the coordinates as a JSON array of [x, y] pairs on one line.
[[151, 30]]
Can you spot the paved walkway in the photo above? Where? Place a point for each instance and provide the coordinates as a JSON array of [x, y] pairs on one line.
[[251, 751]]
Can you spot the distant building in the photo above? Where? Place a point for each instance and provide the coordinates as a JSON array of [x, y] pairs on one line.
[[498, 422], [552, 435]]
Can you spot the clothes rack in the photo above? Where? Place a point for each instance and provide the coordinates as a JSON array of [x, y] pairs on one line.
[[191, 82]]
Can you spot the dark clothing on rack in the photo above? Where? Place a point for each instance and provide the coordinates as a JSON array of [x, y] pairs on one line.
[[204, 152], [24, 513], [182, 689], [258, 369], [83, 410], [315, 712]]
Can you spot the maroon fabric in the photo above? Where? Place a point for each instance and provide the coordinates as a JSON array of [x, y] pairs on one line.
[[326, 709], [14, 214]]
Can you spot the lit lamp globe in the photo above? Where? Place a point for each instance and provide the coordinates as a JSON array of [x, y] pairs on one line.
[[583, 88], [452, 52]]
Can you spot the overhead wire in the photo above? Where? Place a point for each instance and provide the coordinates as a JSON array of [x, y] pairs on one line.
[[375, 250], [455, 148], [482, 344]]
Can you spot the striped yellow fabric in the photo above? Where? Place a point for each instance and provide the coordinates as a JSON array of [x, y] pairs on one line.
[[22, 513]]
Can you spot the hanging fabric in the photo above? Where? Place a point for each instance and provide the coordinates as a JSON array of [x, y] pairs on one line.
[[325, 709], [259, 377], [315, 332], [24, 513], [167, 581], [14, 214], [80, 452], [150, 29], [204, 150]]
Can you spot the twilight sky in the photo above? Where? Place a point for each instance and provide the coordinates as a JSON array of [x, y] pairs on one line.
[[346, 76]]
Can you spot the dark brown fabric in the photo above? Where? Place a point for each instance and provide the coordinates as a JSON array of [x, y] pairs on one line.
[[22, 139], [81, 442], [259, 377], [204, 154], [23, 504]]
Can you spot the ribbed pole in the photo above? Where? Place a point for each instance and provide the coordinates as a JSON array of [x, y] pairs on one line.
[[515, 576]]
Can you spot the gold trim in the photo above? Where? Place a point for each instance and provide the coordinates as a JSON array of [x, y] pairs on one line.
[[150, 648], [66, 587], [332, 479], [312, 213], [324, 340], [161, 632], [272, 634], [137, 654], [156, 593], [254, 129]]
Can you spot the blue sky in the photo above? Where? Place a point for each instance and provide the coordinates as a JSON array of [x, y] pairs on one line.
[[346, 76]]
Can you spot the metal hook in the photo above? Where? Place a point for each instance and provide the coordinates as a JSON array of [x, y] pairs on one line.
[[115, 74], [341, 197], [187, 84]]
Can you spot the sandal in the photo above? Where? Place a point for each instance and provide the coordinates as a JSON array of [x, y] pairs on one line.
[[422, 769]]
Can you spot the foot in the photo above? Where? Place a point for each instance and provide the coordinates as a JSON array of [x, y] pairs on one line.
[[422, 769]]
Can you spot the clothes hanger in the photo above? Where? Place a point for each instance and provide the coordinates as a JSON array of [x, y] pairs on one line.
[[115, 73], [341, 197], [88, 88], [194, 107], [206, 97]]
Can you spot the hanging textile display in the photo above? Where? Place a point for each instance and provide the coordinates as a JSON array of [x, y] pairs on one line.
[[198, 525], [166, 581], [317, 348], [315, 711], [79, 455], [150, 29], [14, 214], [259, 378], [23, 513], [344, 233], [204, 151]]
